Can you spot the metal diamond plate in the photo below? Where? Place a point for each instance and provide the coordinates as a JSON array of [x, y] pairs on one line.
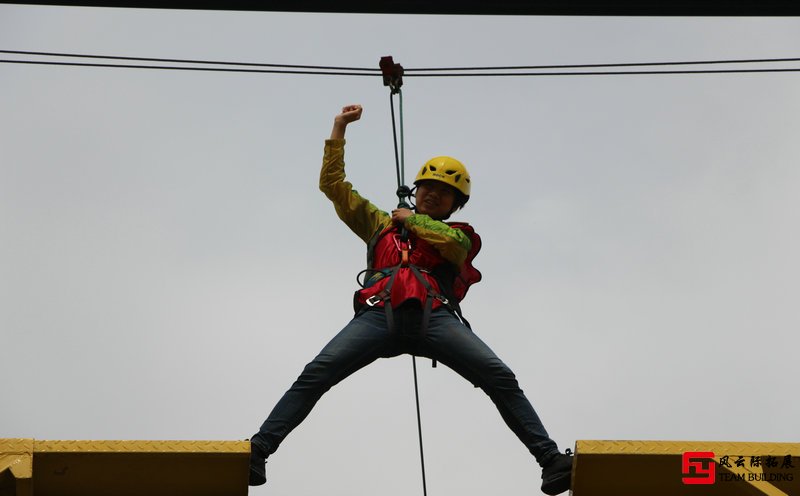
[[678, 447], [90, 446], [16, 445], [16, 456]]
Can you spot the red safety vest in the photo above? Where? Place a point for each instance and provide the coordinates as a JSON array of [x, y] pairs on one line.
[[425, 274]]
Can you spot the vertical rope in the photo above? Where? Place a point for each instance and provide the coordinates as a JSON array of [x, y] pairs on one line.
[[419, 427], [399, 159], [394, 135], [402, 144]]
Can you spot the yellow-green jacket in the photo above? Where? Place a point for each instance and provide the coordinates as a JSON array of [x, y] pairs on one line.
[[434, 243]]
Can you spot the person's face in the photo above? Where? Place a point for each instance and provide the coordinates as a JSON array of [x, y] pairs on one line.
[[435, 199]]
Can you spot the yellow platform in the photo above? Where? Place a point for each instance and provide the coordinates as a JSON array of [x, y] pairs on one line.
[[661, 468], [31, 467]]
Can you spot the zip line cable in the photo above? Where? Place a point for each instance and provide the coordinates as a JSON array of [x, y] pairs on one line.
[[418, 69], [342, 73], [586, 66], [603, 73], [332, 73], [176, 68], [186, 61], [417, 72]]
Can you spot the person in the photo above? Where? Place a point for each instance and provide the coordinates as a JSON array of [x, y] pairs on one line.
[[419, 268]]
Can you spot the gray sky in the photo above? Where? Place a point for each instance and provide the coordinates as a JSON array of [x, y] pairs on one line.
[[168, 264]]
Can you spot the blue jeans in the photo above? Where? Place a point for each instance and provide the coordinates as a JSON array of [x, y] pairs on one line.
[[367, 338]]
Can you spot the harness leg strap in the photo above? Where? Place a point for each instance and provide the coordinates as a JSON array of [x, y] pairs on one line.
[[426, 312], [386, 296], [426, 318]]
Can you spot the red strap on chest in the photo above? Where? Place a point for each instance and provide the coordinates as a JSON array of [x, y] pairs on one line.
[[404, 247]]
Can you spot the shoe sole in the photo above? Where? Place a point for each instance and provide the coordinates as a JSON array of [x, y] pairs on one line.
[[258, 473], [256, 479], [558, 485]]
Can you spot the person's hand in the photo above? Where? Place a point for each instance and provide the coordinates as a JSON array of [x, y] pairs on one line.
[[350, 113], [399, 215]]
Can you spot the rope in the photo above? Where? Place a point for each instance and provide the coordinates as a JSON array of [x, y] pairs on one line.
[[402, 190], [396, 156], [402, 144], [419, 427]]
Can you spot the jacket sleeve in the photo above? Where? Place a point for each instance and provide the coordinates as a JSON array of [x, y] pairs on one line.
[[360, 215], [452, 243]]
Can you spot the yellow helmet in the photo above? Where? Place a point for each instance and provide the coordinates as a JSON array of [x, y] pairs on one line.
[[446, 170]]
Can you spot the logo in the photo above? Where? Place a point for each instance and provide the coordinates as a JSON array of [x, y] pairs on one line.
[[699, 467]]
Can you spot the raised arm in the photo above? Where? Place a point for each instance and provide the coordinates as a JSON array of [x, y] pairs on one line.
[[361, 216]]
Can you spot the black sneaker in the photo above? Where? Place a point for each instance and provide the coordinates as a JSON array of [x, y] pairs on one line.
[[258, 466], [557, 474]]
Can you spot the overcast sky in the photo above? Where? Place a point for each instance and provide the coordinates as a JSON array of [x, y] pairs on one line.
[[168, 264]]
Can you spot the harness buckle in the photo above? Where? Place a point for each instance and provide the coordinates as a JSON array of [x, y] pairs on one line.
[[373, 300]]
